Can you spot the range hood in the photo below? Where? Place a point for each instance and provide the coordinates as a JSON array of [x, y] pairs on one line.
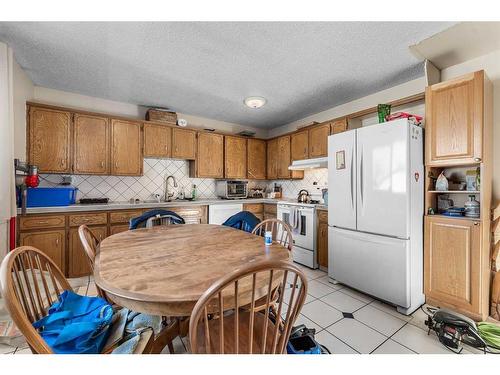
[[300, 165]]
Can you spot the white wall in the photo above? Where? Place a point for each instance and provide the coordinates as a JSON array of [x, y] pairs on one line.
[[83, 102], [6, 149], [23, 91], [491, 65], [397, 92]]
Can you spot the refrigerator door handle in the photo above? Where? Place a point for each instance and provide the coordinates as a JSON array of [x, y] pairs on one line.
[[361, 176], [352, 176]]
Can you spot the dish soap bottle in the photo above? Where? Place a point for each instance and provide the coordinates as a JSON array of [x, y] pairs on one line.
[[472, 207], [194, 193]]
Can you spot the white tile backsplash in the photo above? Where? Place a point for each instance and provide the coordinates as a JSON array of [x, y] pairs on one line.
[[123, 188], [311, 176]]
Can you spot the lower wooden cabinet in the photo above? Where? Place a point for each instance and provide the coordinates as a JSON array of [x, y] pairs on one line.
[[51, 242], [322, 239], [78, 264], [452, 263], [115, 229], [192, 214], [270, 211]]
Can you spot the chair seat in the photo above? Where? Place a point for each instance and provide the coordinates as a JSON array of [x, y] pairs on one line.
[[229, 329]]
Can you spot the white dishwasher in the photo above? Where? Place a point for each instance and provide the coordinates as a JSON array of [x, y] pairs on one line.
[[219, 213]]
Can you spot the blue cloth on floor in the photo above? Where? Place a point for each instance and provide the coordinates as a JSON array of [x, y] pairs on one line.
[[76, 324], [140, 221], [244, 220]]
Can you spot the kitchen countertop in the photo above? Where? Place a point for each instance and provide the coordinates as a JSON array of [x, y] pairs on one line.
[[130, 206]]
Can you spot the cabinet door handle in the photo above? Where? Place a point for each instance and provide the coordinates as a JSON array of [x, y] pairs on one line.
[[57, 241], [476, 223], [42, 222], [62, 163], [102, 164], [477, 159]]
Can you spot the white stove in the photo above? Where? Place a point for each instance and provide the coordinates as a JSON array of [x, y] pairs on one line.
[[304, 235]]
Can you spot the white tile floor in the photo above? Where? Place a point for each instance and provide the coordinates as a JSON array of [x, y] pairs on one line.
[[376, 328]]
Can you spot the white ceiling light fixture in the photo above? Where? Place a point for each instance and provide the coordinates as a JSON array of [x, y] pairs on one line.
[[255, 101]]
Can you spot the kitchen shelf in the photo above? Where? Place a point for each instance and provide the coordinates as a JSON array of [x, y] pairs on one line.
[[454, 192], [456, 217]]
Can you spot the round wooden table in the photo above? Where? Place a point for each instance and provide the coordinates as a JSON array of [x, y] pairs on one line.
[[164, 270]]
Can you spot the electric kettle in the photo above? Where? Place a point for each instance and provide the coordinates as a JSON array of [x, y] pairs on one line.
[[304, 196]]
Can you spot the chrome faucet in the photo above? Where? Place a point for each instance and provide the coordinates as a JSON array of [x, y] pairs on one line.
[[167, 194]]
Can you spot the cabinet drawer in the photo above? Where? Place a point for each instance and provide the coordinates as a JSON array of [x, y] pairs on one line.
[[115, 229], [270, 208], [255, 208], [323, 216], [123, 216], [36, 222], [87, 219]]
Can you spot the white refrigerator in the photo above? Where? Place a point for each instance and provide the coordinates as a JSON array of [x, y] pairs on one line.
[[375, 212]]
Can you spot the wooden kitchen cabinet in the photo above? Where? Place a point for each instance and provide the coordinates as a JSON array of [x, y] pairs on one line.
[[338, 126], [50, 242], [256, 159], [157, 141], [49, 140], [452, 263], [115, 229], [183, 144], [192, 214], [299, 145], [235, 157], [318, 140], [272, 159], [322, 239], [126, 148], [209, 162], [284, 160], [91, 144], [78, 264], [454, 120]]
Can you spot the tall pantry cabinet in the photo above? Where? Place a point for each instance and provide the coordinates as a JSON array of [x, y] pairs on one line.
[[459, 127]]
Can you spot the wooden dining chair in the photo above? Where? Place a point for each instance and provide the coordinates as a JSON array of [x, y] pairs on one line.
[[280, 230], [221, 322], [90, 244], [30, 283]]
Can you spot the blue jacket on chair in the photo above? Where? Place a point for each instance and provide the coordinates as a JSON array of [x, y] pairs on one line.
[[243, 220], [140, 221]]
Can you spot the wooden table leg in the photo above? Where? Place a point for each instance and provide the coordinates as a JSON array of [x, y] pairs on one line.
[[165, 337]]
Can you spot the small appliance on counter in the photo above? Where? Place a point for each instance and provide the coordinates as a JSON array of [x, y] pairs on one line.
[[303, 196], [231, 189], [257, 192], [26, 176]]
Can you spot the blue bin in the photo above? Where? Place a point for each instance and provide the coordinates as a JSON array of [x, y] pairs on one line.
[[51, 196]]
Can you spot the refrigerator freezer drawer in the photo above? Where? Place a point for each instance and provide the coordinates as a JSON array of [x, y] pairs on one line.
[[374, 264]]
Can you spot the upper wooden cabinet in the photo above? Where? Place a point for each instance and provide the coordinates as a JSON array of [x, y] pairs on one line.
[[284, 156], [49, 140], [299, 145], [272, 159], [126, 148], [256, 159], [157, 141], [454, 120], [209, 161], [451, 263], [338, 126], [235, 160], [90, 144], [318, 140], [183, 144], [284, 159]]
